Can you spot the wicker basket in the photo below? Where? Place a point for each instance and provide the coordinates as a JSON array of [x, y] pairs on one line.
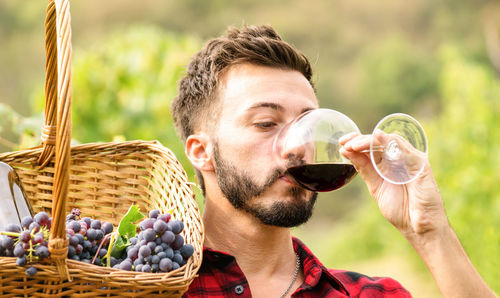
[[102, 180]]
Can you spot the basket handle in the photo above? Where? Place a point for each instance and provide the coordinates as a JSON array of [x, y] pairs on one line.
[[57, 128]]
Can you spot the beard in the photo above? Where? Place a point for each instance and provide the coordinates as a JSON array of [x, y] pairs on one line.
[[239, 188]]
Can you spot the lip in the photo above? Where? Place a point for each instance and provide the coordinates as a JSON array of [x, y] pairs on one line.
[[288, 180]]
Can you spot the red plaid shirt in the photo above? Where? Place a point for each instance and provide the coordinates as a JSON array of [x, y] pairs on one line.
[[220, 276]]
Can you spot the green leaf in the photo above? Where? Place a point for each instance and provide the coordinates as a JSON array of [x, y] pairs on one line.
[[127, 225], [126, 230]]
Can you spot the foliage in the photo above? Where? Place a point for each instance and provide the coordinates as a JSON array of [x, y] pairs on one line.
[[123, 87], [397, 78], [26, 130]]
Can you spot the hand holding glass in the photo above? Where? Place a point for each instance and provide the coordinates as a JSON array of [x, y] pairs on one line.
[[309, 149]]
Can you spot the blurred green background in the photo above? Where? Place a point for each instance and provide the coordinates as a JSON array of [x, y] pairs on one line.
[[436, 60]]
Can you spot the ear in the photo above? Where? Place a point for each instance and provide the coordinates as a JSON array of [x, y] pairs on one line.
[[199, 152]]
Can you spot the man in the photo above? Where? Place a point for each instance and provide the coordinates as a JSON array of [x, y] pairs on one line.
[[239, 90]]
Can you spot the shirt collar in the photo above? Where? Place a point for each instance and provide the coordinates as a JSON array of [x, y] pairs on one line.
[[313, 268]]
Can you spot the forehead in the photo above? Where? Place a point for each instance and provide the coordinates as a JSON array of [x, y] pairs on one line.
[[246, 85]]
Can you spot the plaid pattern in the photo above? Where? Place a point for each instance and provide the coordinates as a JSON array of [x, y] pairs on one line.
[[220, 276]]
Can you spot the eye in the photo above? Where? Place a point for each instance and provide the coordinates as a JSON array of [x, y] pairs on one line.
[[264, 124]]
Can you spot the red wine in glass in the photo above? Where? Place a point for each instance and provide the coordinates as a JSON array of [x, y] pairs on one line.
[[322, 176]]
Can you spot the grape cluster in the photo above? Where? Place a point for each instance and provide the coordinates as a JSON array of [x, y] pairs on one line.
[[158, 247], [88, 238], [28, 242]]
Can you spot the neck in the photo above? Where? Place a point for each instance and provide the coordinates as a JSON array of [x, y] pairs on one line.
[[243, 236]]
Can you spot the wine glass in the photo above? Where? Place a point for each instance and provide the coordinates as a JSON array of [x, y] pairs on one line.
[[309, 149]]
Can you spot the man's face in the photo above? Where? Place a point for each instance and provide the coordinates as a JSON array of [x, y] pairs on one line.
[[257, 102]]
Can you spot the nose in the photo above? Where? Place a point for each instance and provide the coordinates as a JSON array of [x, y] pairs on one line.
[[298, 153]]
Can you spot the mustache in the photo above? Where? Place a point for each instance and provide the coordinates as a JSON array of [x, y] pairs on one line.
[[279, 172], [273, 177]]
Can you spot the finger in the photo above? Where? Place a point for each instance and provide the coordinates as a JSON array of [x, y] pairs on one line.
[[358, 143], [363, 165], [347, 137]]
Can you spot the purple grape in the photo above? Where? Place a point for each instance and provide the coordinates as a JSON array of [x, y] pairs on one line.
[[164, 217], [144, 251], [71, 251], [13, 228], [138, 261], [168, 237], [177, 258], [80, 237], [149, 235], [162, 255], [160, 226], [133, 253], [73, 240], [187, 250], [34, 227], [102, 252], [76, 212], [138, 268], [155, 259], [31, 271], [154, 213], [148, 223], [79, 249], [178, 242], [107, 228], [151, 245], [18, 251], [95, 224], [133, 240], [99, 235], [42, 218], [175, 266], [146, 268], [21, 261], [25, 236], [97, 261], [165, 265], [176, 226], [26, 221], [169, 252], [158, 249], [74, 225], [91, 234], [87, 245], [39, 238], [87, 221], [7, 242], [42, 252], [126, 265], [113, 261]]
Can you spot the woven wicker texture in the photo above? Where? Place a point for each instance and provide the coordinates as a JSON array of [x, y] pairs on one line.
[[102, 180]]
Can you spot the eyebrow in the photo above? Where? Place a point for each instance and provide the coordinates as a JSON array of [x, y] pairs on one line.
[[274, 106]]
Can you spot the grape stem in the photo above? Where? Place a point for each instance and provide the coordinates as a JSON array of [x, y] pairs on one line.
[[100, 246], [12, 234]]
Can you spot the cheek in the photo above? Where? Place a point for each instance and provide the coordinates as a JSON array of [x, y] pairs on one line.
[[248, 153]]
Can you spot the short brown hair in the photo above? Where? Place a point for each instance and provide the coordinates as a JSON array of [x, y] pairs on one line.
[[196, 102]]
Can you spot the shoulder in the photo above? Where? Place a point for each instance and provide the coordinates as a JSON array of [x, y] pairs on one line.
[[360, 285]]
